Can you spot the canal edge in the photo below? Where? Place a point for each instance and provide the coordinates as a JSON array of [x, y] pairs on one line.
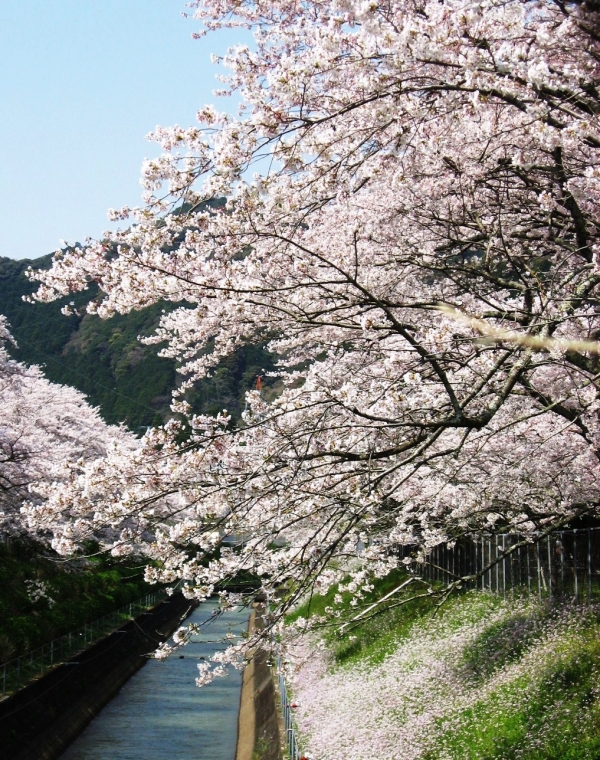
[[258, 721], [41, 720], [246, 717]]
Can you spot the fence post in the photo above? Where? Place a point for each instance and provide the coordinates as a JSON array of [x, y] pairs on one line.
[[549, 564], [539, 568], [471, 558], [589, 537], [562, 563], [504, 566], [575, 562], [482, 562], [454, 559]]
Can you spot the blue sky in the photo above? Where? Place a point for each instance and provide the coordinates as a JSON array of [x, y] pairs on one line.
[[81, 84]]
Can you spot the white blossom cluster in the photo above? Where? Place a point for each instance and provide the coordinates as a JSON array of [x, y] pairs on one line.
[[37, 590], [48, 435]]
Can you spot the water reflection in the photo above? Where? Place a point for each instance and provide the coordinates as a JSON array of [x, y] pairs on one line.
[[160, 714]]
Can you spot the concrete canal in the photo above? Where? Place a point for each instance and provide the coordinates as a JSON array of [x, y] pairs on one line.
[[160, 714]]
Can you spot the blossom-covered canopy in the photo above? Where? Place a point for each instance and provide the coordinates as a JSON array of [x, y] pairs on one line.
[[418, 244]]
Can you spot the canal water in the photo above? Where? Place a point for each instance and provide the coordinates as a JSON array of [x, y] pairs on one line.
[[160, 713]]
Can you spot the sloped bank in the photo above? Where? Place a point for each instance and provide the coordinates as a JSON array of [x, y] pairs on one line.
[[41, 720], [484, 678]]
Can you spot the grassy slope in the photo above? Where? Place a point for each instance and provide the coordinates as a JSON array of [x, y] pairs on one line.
[[81, 594], [546, 707], [376, 638]]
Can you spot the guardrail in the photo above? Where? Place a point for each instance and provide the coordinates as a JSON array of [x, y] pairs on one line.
[[17, 672], [291, 738]]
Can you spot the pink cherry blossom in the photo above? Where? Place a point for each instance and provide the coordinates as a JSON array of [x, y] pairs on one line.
[[405, 157]]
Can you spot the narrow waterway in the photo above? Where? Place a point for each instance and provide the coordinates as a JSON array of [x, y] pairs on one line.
[[160, 714]]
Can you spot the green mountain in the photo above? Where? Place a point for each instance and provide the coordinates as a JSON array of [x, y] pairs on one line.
[[105, 360]]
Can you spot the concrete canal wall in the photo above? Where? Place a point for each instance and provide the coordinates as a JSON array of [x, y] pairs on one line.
[[42, 719], [259, 732]]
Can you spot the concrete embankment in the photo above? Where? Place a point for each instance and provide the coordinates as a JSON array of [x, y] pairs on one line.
[[41, 720], [259, 732]]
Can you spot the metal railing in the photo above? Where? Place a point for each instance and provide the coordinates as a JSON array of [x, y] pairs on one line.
[[565, 563], [17, 672], [291, 738]]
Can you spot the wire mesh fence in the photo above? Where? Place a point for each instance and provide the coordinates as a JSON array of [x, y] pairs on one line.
[[565, 563], [17, 672]]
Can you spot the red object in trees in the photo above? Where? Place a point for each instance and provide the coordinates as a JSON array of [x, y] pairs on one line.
[[259, 383]]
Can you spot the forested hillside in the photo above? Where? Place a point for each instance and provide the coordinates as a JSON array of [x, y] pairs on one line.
[[105, 360]]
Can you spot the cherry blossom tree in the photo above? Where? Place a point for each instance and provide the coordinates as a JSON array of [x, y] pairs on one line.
[[47, 433], [412, 224]]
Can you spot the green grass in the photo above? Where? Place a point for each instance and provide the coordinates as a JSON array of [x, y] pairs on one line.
[[379, 634], [534, 672], [504, 642], [551, 712], [82, 591]]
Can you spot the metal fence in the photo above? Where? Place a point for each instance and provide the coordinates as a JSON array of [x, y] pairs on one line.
[[18, 672], [291, 739], [565, 563]]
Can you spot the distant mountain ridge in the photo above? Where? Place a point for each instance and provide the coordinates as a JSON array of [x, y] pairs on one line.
[[105, 360]]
